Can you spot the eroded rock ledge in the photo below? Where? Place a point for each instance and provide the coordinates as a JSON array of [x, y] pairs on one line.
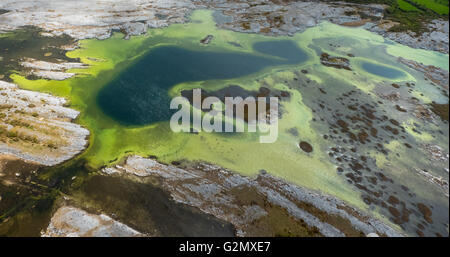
[[36, 127], [73, 222], [251, 204], [51, 70]]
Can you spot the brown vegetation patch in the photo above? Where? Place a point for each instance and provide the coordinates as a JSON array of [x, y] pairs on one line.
[[306, 147], [442, 110], [426, 212]]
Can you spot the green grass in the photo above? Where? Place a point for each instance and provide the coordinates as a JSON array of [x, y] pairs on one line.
[[413, 16], [407, 7], [438, 6]]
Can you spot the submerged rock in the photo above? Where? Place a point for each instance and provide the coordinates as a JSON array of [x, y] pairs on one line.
[[207, 39]]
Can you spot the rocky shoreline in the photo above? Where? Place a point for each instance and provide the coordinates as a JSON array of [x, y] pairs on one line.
[[434, 74], [37, 127], [254, 206], [286, 18], [251, 204], [50, 70], [99, 19]]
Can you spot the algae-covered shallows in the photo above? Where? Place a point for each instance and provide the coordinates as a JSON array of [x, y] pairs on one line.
[[111, 59]]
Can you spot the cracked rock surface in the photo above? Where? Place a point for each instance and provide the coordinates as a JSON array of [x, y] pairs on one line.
[[73, 222], [93, 19], [36, 127]]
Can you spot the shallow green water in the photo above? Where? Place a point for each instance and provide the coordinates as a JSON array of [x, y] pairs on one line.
[[140, 94]]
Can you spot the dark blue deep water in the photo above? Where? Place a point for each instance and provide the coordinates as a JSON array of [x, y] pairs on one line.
[[382, 71], [139, 95]]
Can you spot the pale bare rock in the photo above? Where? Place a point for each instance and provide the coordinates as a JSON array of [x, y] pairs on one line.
[[50, 70], [269, 18], [36, 127], [73, 222], [50, 66], [436, 39], [243, 201], [52, 75], [93, 19]]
